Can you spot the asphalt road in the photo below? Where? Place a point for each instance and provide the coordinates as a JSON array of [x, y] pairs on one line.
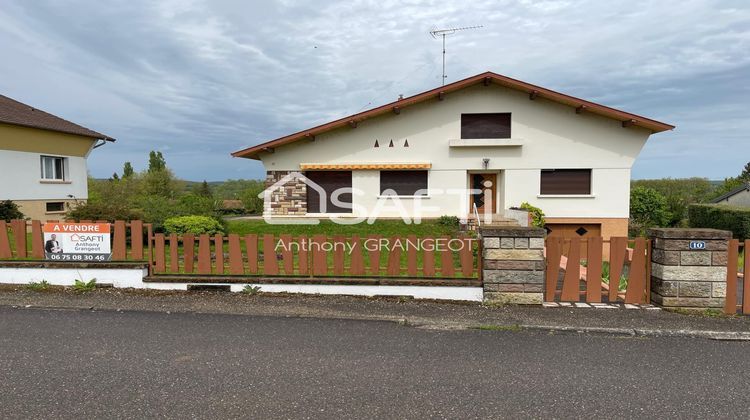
[[80, 364]]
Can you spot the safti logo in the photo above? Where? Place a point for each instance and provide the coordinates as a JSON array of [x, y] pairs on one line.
[[86, 238]]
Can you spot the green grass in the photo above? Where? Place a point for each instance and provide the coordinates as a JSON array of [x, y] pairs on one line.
[[380, 227], [38, 286]]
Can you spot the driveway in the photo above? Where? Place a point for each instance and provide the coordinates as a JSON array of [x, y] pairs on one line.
[[73, 363]]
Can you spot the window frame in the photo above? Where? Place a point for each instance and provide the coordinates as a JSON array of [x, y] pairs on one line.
[[470, 137], [572, 191], [48, 211], [62, 168], [424, 189]]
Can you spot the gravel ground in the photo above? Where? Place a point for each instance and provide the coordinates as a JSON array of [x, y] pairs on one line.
[[428, 314]]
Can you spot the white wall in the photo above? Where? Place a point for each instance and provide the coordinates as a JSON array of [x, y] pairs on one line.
[[22, 175], [552, 135]]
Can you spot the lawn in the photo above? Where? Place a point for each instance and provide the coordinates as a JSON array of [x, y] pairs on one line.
[[386, 228]]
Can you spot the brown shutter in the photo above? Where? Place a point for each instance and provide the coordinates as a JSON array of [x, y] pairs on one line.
[[403, 182], [485, 126], [565, 181], [330, 181]]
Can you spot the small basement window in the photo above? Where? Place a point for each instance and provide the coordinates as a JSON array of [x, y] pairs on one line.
[[485, 126], [565, 182], [53, 168], [404, 183], [55, 207]]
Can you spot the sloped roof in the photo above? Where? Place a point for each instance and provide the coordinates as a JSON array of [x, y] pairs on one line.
[[534, 91], [737, 190], [17, 113]]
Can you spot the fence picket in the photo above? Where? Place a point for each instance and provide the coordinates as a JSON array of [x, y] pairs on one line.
[[204, 254], [746, 280], [236, 267], [174, 254], [270, 262], [339, 243], [319, 259], [287, 253], [617, 252], [594, 270], [394, 258], [188, 252], [303, 255], [730, 301], [251, 247], [428, 257], [159, 265], [374, 254], [119, 245], [5, 251], [136, 239], [572, 281], [466, 257], [446, 259], [219, 253], [19, 235], [636, 290], [37, 239], [554, 255], [411, 255], [357, 265]]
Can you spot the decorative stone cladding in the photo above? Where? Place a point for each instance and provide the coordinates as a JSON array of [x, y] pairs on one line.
[[513, 265], [289, 199], [685, 276]]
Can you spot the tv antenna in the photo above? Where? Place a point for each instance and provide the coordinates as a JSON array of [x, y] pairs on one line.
[[442, 33]]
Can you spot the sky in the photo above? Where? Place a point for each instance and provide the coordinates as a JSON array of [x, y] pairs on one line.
[[198, 80]]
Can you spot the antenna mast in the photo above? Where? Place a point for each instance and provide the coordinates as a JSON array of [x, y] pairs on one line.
[[442, 33]]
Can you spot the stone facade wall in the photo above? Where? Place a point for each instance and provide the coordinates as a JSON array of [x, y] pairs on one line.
[[513, 265], [289, 199], [689, 278]]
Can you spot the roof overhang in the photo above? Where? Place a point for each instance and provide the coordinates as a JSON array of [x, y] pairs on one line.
[[363, 166], [534, 92]]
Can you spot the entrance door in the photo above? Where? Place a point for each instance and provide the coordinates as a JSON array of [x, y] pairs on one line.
[[485, 198]]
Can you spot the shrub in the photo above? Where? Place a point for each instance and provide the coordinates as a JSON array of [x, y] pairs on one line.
[[679, 194], [9, 211], [109, 211], [251, 290], [253, 204], [648, 208], [196, 225], [720, 216], [194, 204], [537, 215], [448, 221]]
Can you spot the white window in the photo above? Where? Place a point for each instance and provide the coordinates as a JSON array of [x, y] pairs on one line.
[[53, 168]]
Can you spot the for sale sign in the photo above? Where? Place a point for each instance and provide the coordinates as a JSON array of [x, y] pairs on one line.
[[77, 241]]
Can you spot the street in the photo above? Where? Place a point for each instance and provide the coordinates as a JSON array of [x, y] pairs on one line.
[[86, 364]]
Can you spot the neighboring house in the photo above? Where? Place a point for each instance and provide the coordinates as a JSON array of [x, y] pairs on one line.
[[43, 160], [511, 141], [739, 196]]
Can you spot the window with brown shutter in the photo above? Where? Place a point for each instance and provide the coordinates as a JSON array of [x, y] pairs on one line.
[[565, 182], [330, 182], [405, 183], [485, 126]]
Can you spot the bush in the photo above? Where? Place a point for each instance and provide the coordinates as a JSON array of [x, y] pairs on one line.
[[102, 211], [448, 221], [253, 204], [720, 216], [537, 215], [679, 194], [9, 211], [196, 225], [648, 208]]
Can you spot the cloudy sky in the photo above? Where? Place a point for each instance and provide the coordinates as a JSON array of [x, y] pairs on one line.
[[200, 79]]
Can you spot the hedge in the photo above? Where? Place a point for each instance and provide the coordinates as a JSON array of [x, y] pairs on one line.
[[720, 216]]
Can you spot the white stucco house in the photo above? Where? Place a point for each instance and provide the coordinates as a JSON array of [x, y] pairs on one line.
[[509, 141], [43, 160]]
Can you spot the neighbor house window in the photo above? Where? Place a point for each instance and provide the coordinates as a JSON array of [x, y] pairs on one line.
[[485, 126], [405, 183], [565, 182], [55, 207], [53, 168]]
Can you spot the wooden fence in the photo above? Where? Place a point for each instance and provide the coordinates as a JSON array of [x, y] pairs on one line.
[[738, 283], [285, 255], [577, 270]]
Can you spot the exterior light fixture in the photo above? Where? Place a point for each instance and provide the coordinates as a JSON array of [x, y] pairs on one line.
[[485, 163]]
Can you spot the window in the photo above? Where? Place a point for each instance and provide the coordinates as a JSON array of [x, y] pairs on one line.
[[405, 183], [485, 126], [55, 207], [53, 168], [565, 182], [333, 183]]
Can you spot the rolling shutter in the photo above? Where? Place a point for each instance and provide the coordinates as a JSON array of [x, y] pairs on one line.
[[329, 181]]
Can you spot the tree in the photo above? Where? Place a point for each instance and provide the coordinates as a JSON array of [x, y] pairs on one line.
[[648, 208], [156, 162], [745, 175], [679, 193], [733, 182], [115, 177], [9, 211], [205, 190], [253, 204], [158, 179], [127, 170]]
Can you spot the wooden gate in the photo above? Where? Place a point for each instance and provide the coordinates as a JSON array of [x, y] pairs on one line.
[[738, 283], [578, 272]]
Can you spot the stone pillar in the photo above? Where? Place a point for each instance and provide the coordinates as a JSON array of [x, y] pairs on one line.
[[689, 267], [513, 265], [288, 195]]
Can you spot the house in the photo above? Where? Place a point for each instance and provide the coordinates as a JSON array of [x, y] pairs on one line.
[[487, 141], [43, 160], [739, 196]]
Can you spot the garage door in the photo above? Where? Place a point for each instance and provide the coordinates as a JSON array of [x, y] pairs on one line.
[[330, 182], [574, 230]]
